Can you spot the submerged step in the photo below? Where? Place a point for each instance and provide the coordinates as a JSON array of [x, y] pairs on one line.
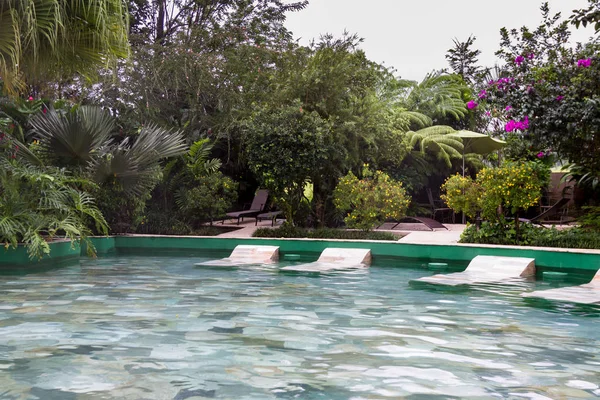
[[247, 254], [335, 259], [582, 294], [486, 269]]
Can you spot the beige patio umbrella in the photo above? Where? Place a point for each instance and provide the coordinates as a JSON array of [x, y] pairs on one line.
[[478, 143]]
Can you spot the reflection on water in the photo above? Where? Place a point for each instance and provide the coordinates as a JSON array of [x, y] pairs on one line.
[[159, 328]]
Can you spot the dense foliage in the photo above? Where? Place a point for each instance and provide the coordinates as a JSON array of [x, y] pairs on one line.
[[286, 149], [43, 40]]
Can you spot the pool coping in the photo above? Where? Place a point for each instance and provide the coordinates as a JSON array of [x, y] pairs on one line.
[[549, 258]]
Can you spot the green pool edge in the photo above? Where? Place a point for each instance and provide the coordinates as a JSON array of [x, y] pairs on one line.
[[562, 260]]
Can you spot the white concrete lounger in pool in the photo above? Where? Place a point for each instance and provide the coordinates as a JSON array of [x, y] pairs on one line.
[[582, 294], [335, 259], [486, 269], [247, 254]]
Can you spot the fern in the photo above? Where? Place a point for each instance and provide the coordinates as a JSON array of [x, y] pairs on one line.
[[39, 204]]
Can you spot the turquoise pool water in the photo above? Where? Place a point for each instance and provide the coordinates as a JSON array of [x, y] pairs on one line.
[[160, 328]]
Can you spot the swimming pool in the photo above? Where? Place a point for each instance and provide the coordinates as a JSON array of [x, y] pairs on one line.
[[131, 327]]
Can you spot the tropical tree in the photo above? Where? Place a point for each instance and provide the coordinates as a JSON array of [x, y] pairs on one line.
[[44, 40], [463, 60], [286, 148]]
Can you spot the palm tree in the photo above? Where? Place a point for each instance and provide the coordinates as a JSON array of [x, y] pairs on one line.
[[83, 138], [48, 39], [438, 96]]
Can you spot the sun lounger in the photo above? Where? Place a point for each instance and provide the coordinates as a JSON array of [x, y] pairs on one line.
[[258, 205]]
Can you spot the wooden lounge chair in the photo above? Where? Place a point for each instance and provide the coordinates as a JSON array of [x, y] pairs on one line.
[[557, 209], [428, 222], [258, 205], [272, 215], [438, 208]]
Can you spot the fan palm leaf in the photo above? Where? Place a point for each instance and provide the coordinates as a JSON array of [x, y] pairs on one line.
[[70, 139], [135, 166]]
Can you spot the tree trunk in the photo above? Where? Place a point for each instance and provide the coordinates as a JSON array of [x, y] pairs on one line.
[[517, 227], [160, 21]]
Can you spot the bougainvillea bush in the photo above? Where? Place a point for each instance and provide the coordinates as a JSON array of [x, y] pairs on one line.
[[546, 98]]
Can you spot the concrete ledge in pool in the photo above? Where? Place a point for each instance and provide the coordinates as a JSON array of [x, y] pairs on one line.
[[335, 259], [486, 269], [244, 254], [582, 294]]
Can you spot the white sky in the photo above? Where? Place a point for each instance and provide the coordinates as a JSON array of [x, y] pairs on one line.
[[413, 35]]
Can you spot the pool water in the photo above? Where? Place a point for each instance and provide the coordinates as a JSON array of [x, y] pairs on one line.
[[133, 327]]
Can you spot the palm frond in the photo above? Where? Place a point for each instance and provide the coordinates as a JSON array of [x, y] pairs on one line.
[[435, 140], [53, 38]]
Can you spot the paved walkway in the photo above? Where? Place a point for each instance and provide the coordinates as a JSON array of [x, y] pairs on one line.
[[414, 232]]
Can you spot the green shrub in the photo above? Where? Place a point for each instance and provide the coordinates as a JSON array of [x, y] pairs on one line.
[[590, 221], [162, 222], [514, 187], [289, 231], [531, 235], [511, 188], [209, 199], [462, 194], [371, 200]]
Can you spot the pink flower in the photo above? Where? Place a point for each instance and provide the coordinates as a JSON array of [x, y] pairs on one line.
[[513, 125], [44, 111], [471, 105], [482, 94], [519, 60], [530, 56], [489, 114], [540, 154], [510, 126], [559, 98], [30, 98], [508, 108], [584, 63]]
